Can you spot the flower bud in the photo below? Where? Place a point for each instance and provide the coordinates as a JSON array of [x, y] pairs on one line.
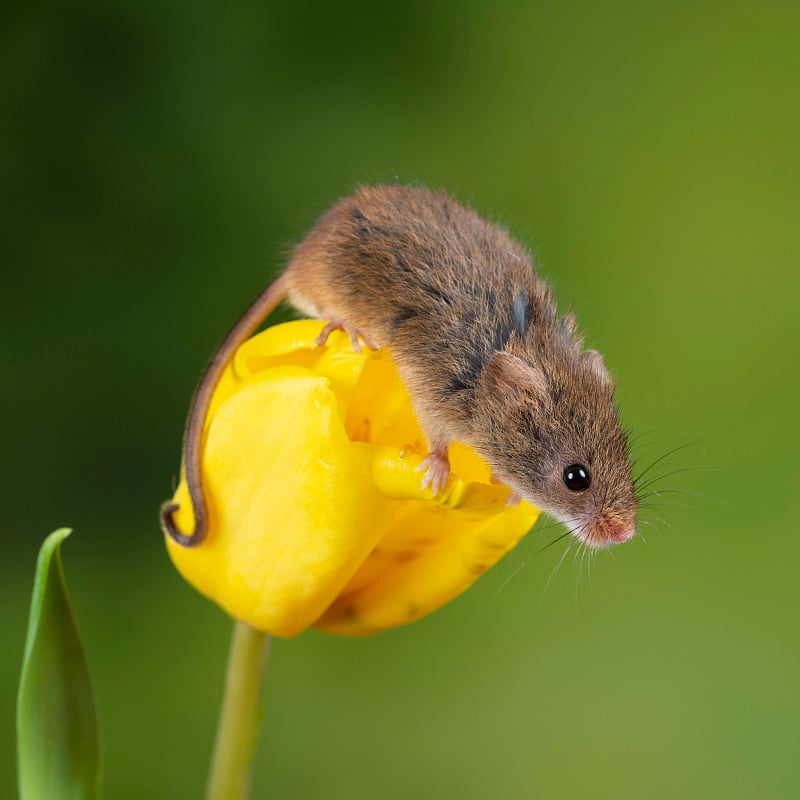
[[316, 515]]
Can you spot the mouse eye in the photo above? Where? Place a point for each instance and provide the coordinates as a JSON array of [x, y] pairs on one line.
[[576, 477]]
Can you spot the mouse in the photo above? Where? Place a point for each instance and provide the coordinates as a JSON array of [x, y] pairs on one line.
[[477, 341]]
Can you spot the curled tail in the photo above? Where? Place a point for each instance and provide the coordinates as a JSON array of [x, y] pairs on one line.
[[245, 326]]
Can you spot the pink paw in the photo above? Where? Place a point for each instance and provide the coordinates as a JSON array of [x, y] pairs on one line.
[[514, 498], [437, 470]]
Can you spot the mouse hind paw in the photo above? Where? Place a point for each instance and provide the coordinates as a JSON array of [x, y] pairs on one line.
[[354, 333]]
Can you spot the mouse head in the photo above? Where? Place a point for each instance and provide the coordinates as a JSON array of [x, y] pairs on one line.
[[551, 433]]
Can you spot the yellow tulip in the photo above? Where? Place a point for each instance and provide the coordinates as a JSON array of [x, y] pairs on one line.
[[309, 463]]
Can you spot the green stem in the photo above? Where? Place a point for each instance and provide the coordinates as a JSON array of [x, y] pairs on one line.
[[237, 732]]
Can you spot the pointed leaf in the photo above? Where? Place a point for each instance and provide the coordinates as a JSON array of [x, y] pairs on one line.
[[57, 742]]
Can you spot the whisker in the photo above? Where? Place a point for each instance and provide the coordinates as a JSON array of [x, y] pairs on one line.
[[676, 471], [659, 492], [657, 519], [671, 506], [579, 573], [508, 580], [556, 568], [544, 528], [666, 455], [550, 544], [522, 565], [635, 437], [592, 553]]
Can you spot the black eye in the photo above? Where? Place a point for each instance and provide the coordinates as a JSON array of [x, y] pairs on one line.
[[576, 477]]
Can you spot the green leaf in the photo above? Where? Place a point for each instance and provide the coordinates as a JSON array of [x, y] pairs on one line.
[[58, 751]]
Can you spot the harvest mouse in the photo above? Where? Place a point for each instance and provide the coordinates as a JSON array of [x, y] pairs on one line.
[[476, 340]]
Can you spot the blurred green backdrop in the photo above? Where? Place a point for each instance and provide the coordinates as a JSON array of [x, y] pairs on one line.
[[158, 160]]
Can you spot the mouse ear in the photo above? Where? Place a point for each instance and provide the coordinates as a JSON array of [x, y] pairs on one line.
[[510, 376], [597, 367], [570, 326]]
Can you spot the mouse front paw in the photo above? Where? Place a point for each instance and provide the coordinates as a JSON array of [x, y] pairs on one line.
[[514, 497], [436, 467]]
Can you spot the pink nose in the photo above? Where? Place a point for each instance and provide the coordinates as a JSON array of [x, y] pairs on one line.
[[622, 535]]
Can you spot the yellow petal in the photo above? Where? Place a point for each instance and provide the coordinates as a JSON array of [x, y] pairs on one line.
[[292, 507], [431, 551]]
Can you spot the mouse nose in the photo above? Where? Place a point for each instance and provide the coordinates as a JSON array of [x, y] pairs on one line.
[[620, 535]]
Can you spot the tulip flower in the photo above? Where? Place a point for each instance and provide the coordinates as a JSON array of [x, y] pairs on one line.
[[310, 462]]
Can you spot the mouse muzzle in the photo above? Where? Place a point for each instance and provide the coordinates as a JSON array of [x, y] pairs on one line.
[[607, 529], [608, 534], [622, 534]]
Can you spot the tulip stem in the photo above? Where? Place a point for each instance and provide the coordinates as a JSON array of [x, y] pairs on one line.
[[237, 731]]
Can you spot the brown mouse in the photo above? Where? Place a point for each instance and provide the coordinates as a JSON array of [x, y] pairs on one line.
[[474, 333]]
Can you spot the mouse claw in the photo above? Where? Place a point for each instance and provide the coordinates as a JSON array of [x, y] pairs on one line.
[[436, 467], [334, 325], [353, 333]]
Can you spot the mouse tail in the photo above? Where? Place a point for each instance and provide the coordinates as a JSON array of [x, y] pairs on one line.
[[245, 326]]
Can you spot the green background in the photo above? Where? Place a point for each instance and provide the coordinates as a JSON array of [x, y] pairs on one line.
[[158, 160]]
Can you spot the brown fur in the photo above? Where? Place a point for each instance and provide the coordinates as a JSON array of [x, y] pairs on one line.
[[452, 296]]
